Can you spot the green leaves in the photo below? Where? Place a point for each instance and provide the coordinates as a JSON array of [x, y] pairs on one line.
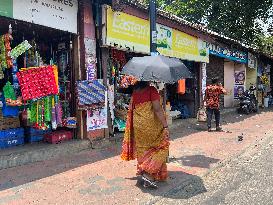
[[238, 19], [265, 44]]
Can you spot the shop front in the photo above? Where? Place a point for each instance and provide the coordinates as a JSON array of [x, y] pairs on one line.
[[264, 81], [37, 72], [251, 72], [126, 36], [231, 70]]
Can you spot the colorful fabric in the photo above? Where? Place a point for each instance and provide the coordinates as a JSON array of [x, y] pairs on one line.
[[37, 82], [56, 75], [90, 92], [143, 138], [40, 113], [213, 93]]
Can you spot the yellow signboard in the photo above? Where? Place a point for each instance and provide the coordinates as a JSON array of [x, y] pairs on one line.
[[127, 31]]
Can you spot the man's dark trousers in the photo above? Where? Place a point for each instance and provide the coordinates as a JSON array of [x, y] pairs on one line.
[[210, 113]]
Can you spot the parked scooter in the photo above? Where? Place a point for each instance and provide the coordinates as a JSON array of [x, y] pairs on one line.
[[248, 102]]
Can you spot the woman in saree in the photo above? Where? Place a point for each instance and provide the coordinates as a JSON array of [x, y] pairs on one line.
[[146, 135]]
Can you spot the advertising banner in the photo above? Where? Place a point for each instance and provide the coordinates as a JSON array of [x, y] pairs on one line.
[[239, 77], [252, 61], [238, 91], [129, 32], [97, 118]]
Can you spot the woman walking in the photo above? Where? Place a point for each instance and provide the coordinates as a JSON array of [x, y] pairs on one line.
[[146, 135]]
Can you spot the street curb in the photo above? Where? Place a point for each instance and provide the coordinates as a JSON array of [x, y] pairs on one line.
[[37, 154], [219, 165]]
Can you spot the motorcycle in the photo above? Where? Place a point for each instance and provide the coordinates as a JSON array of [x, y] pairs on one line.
[[248, 102]]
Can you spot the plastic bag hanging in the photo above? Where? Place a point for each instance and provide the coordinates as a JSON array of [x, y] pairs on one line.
[[53, 116], [59, 112]]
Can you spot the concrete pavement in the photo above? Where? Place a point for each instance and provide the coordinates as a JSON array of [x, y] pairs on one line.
[[244, 180], [100, 177]]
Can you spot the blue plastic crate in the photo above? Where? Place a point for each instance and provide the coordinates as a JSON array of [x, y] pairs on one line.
[[35, 132], [31, 139], [11, 133], [11, 142]]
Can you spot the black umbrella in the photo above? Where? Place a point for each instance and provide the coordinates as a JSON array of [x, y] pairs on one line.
[[157, 68]]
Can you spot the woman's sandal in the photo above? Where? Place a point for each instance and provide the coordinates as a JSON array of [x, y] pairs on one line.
[[149, 183]]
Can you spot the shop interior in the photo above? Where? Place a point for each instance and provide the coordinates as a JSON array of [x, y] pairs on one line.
[[120, 86], [183, 96], [179, 105], [34, 115]]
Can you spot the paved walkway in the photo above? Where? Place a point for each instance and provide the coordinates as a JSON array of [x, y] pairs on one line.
[[100, 177], [245, 180]]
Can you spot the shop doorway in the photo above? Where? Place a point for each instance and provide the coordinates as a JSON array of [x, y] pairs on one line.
[[186, 105], [48, 47]]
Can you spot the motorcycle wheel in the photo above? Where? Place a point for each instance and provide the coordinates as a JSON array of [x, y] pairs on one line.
[[246, 111]]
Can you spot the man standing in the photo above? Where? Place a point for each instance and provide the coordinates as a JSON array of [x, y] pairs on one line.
[[212, 99]]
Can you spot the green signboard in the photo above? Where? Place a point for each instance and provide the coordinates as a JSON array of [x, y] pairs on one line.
[[6, 8]]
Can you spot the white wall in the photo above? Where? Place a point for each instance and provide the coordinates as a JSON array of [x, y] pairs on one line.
[[229, 83], [229, 69]]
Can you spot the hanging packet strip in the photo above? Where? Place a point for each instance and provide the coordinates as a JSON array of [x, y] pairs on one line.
[[7, 39], [9, 92], [20, 49], [53, 115]]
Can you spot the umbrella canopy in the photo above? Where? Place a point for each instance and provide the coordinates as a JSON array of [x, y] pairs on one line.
[[157, 68]]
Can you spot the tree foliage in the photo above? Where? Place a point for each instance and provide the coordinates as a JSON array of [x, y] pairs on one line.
[[265, 44], [238, 19]]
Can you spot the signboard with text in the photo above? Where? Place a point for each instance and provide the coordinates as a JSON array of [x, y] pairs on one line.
[[130, 32], [56, 14], [231, 54], [6, 8]]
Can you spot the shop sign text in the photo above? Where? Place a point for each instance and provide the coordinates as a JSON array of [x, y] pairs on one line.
[[131, 33], [233, 55], [58, 14]]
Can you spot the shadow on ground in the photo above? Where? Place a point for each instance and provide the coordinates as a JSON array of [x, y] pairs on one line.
[[21, 175], [186, 187], [195, 161]]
